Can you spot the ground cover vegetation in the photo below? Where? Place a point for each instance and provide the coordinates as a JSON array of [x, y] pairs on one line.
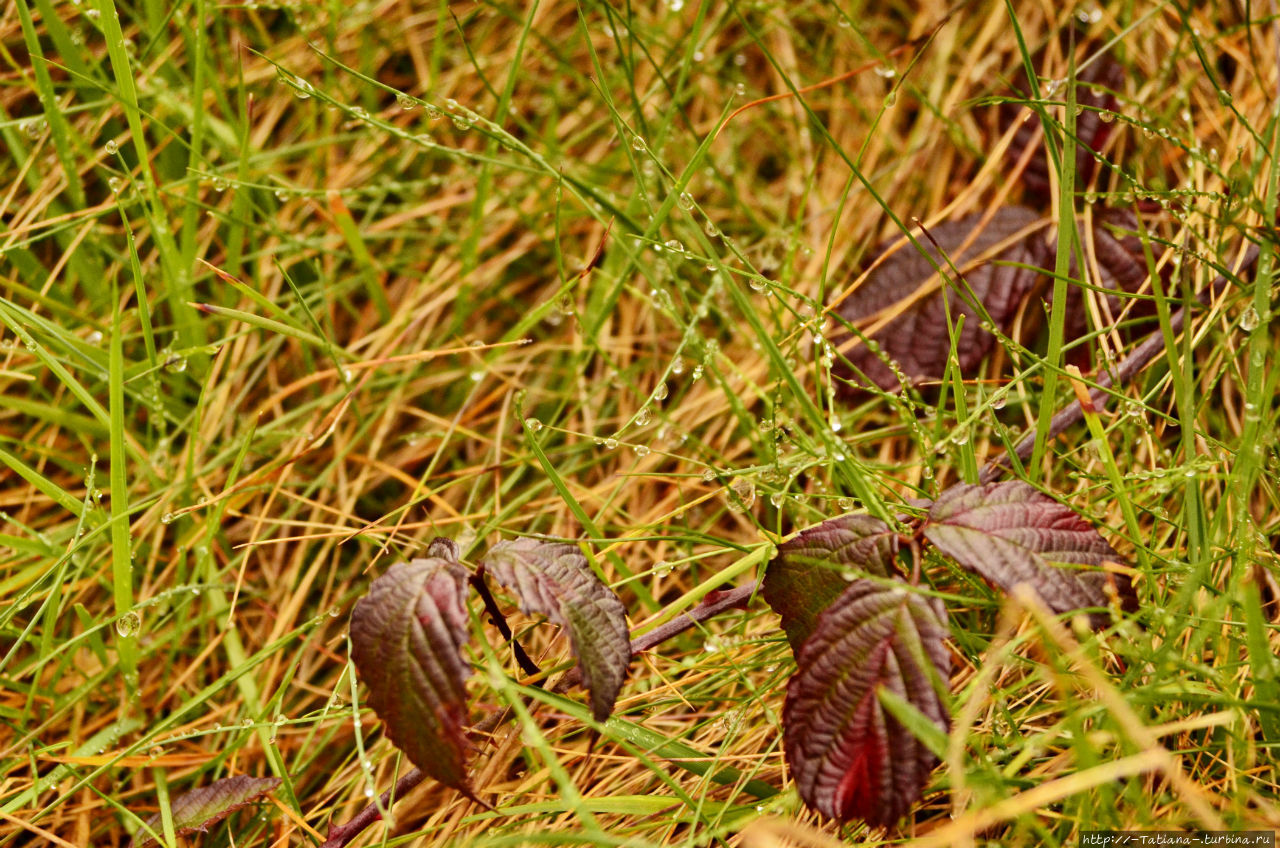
[[752, 424]]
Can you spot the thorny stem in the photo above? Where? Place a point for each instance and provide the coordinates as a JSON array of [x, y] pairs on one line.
[[527, 665], [736, 598], [1142, 356]]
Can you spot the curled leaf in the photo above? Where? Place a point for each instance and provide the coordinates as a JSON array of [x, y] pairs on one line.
[[555, 580], [407, 637], [1009, 533], [199, 809], [442, 547], [990, 253], [813, 567], [849, 757]]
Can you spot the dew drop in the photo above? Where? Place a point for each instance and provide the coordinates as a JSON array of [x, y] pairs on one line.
[[674, 245], [660, 392], [885, 71], [303, 89], [677, 365], [641, 450], [167, 518], [777, 498], [644, 416], [94, 338], [638, 144], [845, 504], [533, 425], [1105, 116], [476, 376], [697, 373], [128, 624], [611, 443], [709, 475], [404, 101], [744, 494], [368, 792], [220, 184], [999, 401], [686, 200], [111, 147], [1249, 320], [115, 184]]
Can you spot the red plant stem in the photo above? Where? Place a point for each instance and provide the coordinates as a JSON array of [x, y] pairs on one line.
[[500, 621], [1142, 356], [736, 598]]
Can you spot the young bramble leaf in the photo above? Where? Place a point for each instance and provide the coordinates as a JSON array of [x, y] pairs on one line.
[[196, 811], [407, 637], [812, 568], [849, 757], [555, 580], [1009, 533], [988, 251]]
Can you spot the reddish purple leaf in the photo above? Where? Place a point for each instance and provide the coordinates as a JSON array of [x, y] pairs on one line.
[[555, 580], [919, 339], [849, 757], [813, 567], [407, 637], [1010, 534], [198, 810], [1122, 268], [1095, 84]]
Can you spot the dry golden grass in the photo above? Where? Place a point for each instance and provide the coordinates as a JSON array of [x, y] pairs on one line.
[[430, 296]]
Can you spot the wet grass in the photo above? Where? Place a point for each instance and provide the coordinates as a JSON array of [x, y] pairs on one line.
[[286, 291]]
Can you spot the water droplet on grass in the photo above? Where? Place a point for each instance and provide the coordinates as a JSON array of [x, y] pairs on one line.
[[638, 144], [532, 424], [641, 451], [128, 624], [1249, 320], [111, 147], [686, 200], [404, 101], [611, 443]]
